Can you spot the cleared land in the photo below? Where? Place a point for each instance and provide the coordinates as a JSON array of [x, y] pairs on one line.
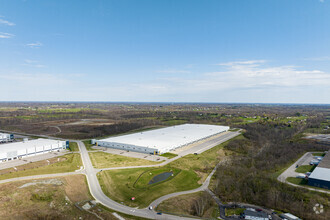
[[185, 205], [66, 163], [49, 199], [119, 184], [106, 160]]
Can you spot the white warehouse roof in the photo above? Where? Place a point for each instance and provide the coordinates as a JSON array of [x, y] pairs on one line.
[[166, 139], [27, 144], [321, 173]]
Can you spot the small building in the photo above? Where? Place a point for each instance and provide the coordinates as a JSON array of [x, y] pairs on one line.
[[162, 140], [17, 150], [254, 215], [4, 137], [320, 177]]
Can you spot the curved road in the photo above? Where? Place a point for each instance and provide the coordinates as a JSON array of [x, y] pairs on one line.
[[97, 193]]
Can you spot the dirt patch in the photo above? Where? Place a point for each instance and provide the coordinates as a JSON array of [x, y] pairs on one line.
[[56, 182], [76, 188]]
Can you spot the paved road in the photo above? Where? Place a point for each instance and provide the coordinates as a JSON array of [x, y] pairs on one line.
[[290, 172]]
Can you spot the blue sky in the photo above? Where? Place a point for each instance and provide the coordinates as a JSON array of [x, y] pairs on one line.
[[165, 51]]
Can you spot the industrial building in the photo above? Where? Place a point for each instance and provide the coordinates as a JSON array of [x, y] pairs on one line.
[[16, 150], [4, 137], [320, 177], [162, 140]]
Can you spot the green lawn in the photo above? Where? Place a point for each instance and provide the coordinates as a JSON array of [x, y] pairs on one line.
[[119, 184], [297, 181], [72, 163], [319, 154], [106, 160], [169, 155], [234, 211], [73, 146], [305, 168]]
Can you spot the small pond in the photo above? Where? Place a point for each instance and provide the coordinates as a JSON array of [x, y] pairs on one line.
[[160, 177]]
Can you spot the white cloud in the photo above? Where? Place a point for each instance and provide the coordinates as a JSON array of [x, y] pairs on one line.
[[243, 81], [6, 35], [246, 62], [34, 45], [5, 22]]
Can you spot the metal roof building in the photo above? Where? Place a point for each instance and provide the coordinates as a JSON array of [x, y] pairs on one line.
[[11, 151], [320, 177], [164, 139]]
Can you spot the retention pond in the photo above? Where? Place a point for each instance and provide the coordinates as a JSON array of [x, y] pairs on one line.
[[160, 177]]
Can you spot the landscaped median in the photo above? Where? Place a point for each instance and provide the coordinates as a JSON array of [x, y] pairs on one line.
[[107, 160], [62, 164], [189, 172]]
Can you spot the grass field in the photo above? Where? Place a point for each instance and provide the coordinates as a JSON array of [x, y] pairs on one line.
[[169, 155], [234, 211], [67, 163], [183, 205], [119, 184], [106, 160], [319, 154], [73, 146], [305, 168]]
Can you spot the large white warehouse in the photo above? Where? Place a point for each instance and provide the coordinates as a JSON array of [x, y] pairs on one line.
[[6, 137], [162, 140], [11, 151]]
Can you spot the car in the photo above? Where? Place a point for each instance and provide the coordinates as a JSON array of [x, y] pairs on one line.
[[159, 213], [301, 176], [150, 207]]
